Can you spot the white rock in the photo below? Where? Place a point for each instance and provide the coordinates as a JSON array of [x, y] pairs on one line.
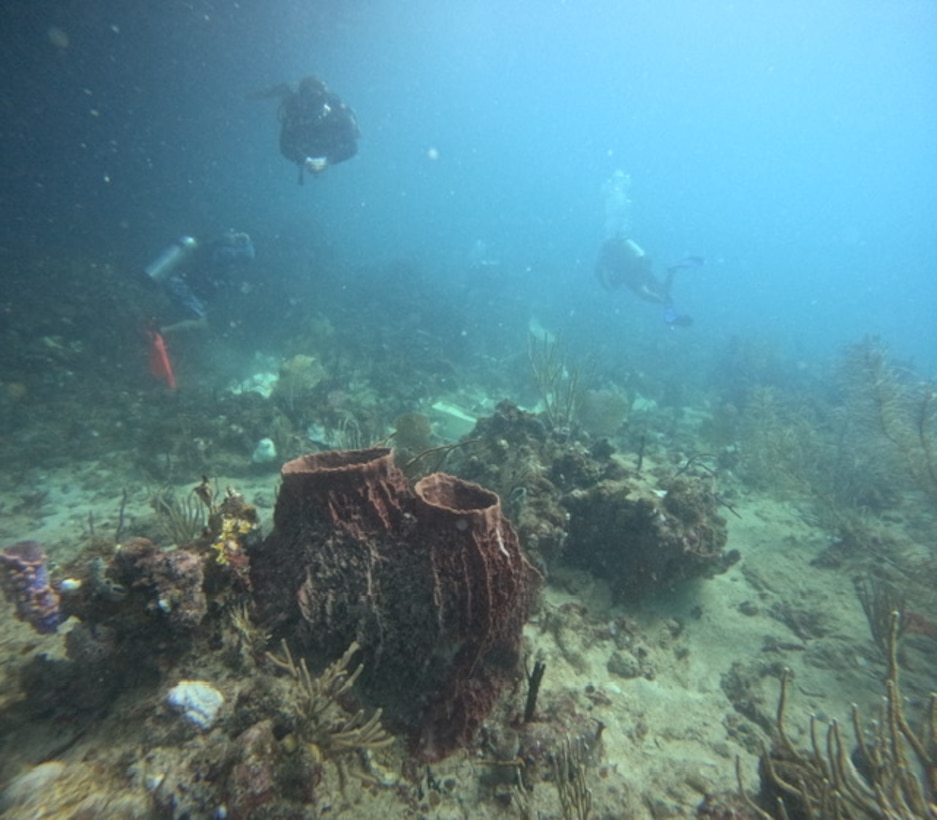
[[198, 701], [453, 421], [265, 451], [262, 383]]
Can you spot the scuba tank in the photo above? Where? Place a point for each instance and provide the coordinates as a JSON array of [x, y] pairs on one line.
[[170, 259]]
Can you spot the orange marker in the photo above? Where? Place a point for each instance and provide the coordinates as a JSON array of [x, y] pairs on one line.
[[160, 366]]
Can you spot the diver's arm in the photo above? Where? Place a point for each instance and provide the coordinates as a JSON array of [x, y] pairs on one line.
[[280, 91]]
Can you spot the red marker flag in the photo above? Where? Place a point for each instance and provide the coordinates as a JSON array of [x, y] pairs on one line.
[[160, 366]]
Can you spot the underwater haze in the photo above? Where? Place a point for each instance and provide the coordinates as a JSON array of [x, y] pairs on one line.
[[468, 408], [791, 145]]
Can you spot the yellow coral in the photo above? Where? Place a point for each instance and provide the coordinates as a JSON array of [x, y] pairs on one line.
[[228, 540], [221, 550]]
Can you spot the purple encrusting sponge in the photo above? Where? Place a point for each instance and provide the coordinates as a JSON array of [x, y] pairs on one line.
[[24, 579]]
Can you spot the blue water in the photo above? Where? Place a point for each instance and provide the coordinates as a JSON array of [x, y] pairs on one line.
[[790, 144]]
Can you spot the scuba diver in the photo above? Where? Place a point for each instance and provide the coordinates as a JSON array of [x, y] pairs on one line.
[[623, 262], [192, 275], [316, 128]]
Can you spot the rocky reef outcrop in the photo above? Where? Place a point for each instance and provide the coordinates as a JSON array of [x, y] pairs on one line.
[[642, 540], [582, 507]]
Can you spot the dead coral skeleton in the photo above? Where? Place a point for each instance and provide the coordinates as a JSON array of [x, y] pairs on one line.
[[322, 723]]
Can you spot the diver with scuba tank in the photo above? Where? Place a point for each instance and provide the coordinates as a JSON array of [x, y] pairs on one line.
[[193, 274]]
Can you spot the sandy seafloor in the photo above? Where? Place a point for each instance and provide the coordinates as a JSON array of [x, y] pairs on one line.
[[671, 733]]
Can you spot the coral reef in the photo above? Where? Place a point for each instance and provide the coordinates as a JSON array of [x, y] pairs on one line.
[[299, 375], [232, 525], [639, 540], [297, 737], [602, 412], [252, 781], [581, 508], [434, 574], [559, 382], [24, 578], [169, 581], [569, 776], [559, 745], [142, 594], [90, 644], [892, 773], [512, 454], [868, 447], [320, 722], [896, 416], [181, 519]]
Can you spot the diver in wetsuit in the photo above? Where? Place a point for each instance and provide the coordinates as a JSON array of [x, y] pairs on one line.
[[200, 275], [317, 129], [623, 262]]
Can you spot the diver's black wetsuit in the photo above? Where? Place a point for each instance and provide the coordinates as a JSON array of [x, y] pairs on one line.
[[622, 262], [211, 274], [316, 124]]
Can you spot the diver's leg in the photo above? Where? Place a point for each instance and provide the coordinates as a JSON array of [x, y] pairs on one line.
[[668, 282], [653, 290]]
